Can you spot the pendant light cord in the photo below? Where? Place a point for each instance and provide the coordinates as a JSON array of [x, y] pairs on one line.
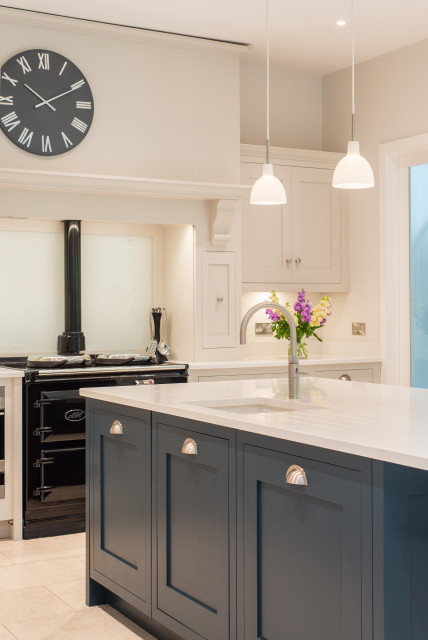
[[353, 70], [267, 86]]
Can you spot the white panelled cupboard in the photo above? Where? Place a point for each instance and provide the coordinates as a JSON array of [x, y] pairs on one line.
[[303, 243]]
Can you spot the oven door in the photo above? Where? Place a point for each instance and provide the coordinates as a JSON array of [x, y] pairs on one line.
[[61, 475], [61, 416]]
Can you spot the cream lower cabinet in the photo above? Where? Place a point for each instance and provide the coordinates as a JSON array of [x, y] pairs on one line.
[[303, 243], [348, 371]]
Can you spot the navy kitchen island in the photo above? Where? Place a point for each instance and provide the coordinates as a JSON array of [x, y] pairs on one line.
[[201, 528]]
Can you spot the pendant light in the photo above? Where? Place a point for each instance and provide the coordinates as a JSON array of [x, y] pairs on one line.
[[353, 171], [267, 189]]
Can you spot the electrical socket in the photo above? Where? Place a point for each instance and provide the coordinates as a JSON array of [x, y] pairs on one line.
[[358, 328], [263, 329]]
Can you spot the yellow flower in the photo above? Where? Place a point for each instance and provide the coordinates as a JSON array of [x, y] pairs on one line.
[[273, 296]]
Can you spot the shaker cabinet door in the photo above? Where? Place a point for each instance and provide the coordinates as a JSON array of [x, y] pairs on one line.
[[317, 225], [120, 518], [191, 536], [218, 299], [301, 552], [266, 232]]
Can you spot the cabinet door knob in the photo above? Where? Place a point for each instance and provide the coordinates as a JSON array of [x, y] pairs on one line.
[[345, 376], [220, 299], [298, 260], [189, 447], [296, 475], [116, 428], [289, 260]]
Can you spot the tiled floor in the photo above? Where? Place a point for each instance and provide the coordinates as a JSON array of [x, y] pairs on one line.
[[42, 594]]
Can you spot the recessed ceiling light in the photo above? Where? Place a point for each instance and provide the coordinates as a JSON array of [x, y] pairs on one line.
[[341, 23]]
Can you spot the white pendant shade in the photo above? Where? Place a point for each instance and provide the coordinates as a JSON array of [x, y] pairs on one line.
[[268, 189], [353, 171]]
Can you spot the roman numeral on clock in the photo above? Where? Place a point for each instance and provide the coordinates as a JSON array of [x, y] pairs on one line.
[[79, 125], [24, 64], [67, 141], [83, 105], [46, 144], [62, 68], [43, 61], [10, 120], [11, 80], [6, 100], [77, 85], [25, 137]]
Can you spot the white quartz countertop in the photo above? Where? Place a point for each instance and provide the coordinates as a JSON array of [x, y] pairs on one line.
[[383, 422], [5, 372], [279, 362]]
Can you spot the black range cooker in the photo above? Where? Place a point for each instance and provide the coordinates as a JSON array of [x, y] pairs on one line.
[[54, 414], [54, 431]]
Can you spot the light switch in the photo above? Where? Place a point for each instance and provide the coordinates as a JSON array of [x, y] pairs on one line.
[[358, 328]]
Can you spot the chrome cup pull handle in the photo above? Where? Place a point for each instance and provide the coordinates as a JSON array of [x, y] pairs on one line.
[[189, 447], [116, 428], [296, 475]]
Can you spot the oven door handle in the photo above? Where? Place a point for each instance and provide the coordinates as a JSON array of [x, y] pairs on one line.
[[44, 489], [41, 431], [40, 403], [45, 460]]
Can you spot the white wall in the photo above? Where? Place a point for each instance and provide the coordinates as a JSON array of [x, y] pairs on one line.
[[391, 103], [295, 112], [164, 106], [178, 289], [177, 118]]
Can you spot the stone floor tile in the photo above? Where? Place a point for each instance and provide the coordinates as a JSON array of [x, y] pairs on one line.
[[72, 592], [89, 624], [25, 604], [5, 634], [42, 548], [31, 574], [4, 560]]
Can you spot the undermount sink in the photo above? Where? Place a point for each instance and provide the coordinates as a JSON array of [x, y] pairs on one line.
[[253, 406]]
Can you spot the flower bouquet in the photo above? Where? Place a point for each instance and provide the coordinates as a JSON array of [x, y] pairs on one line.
[[307, 319]]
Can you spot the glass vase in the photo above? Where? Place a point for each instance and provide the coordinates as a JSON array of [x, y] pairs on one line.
[[302, 349]]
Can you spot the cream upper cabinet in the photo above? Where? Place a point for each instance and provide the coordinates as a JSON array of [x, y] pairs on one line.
[[303, 243], [316, 227], [266, 232]]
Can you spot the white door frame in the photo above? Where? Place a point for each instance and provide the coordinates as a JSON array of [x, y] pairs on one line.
[[395, 158]]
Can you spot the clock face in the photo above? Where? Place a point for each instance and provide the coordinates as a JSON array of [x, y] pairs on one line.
[[46, 105]]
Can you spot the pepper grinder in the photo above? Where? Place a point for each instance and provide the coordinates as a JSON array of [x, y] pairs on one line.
[[157, 317]]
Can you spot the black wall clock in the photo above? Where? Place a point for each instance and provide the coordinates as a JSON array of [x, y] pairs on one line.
[[46, 104]]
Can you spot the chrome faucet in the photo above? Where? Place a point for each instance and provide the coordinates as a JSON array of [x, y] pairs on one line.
[[293, 359]]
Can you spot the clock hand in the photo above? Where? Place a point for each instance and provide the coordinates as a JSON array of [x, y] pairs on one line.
[[74, 86], [39, 96]]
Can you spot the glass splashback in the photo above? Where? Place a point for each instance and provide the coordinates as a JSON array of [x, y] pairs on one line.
[[116, 292], [419, 275], [116, 287], [31, 290]]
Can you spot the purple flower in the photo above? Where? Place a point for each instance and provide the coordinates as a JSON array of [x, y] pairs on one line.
[[303, 306], [269, 312], [275, 317]]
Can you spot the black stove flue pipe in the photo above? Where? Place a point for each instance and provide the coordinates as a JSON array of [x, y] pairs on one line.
[[72, 341]]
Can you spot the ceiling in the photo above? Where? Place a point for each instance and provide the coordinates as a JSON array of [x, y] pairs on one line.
[[304, 35]]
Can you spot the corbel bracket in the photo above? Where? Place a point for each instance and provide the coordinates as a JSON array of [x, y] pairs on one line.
[[222, 212]]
